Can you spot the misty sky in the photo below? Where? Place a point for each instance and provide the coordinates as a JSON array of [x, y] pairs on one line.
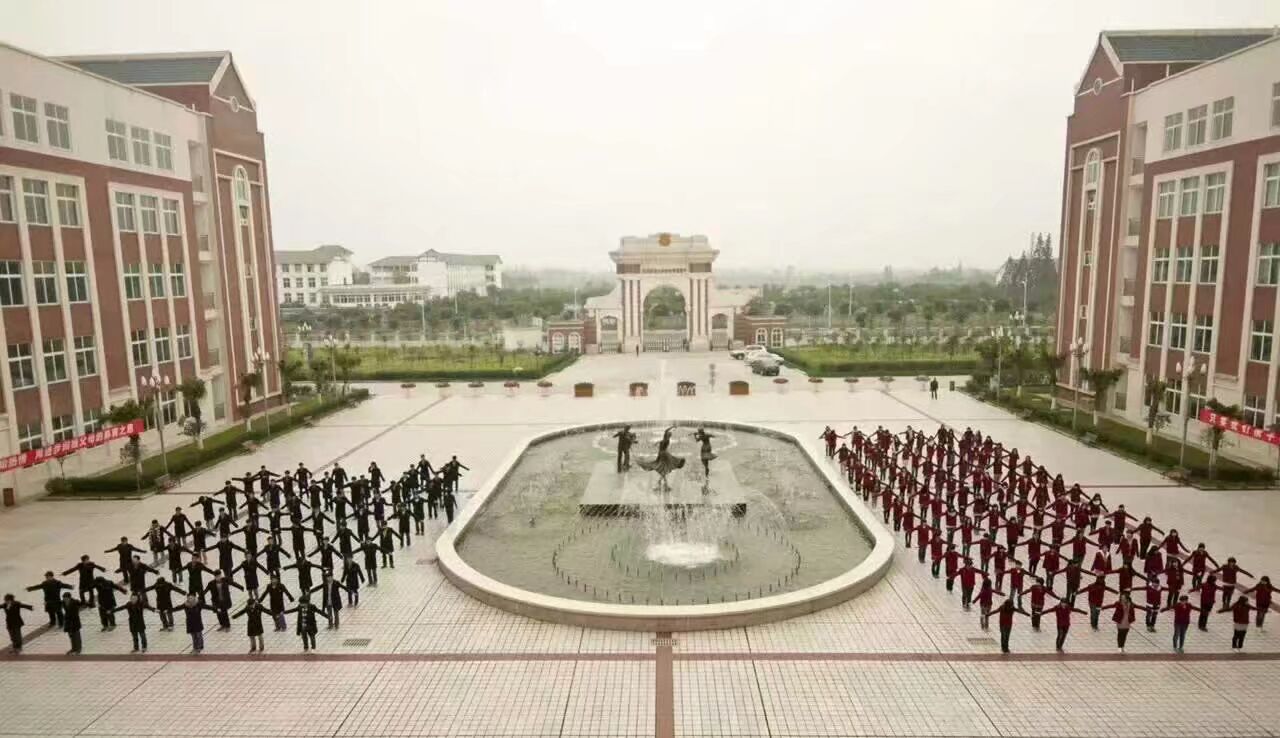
[[804, 133]]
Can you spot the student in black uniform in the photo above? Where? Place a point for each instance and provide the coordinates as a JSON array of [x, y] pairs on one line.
[[137, 609], [352, 578], [386, 544], [195, 621], [85, 568], [124, 551], [13, 621], [252, 613], [219, 591], [306, 621], [52, 589], [154, 537], [164, 601], [71, 621], [106, 590], [331, 598], [370, 549], [206, 503], [274, 593]]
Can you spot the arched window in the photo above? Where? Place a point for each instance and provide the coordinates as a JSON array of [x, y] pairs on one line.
[[719, 322], [762, 336], [575, 342], [609, 323], [557, 342], [777, 337], [1091, 164], [240, 189]]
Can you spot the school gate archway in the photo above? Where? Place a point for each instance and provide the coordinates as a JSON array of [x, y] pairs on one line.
[[683, 263]]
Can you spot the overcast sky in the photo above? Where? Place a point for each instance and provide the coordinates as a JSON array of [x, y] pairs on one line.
[[804, 133]]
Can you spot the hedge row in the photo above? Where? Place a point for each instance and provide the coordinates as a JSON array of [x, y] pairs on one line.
[[1127, 441], [877, 367], [460, 375], [189, 458]]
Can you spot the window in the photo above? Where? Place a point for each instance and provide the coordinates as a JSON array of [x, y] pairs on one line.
[[169, 407], [311, 281], [30, 437], [77, 281], [1155, 329], [1215, 192], [10, 283], [1184, 262], [55, 360], [164, 349], [45, 277], [1275, 104], [1202, 340], [164, 152], [1178, 331], [1165, 195], [286, 283], [172, 223], [141, 145], [117, 147], [1172, 132], [138, 345], [24, 118], [150, 221], [1260, 341], [68, 205], [1255, 410], [1189, 203], [63, 428], [1208, 265], [124, 212], [1197, 119], [133, 281], [241, 191], [92, 419], [1223, 110], [156, 279], [22, 370], [1091, 165], [1160, 271], [184, 342], [1269, 264], [6, 199], [1196, 400], [86, 356], [1271, 186], [57, 123], [178, 280], [1173, 395], [35, 197]]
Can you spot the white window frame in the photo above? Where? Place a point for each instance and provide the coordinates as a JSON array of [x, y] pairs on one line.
[[1172, 132], [1261, 341], [1209, 255], [63, 427], [1188, 196], [68, 197], [149, 210], [184, 341], [57, 122], [30, 436], [1271, 185], [117, 140], [12, 289], [164, 348], [77, 281], [86, 353], [124, 203], [1178, 331], [26, 118], [1184, 261], [133, 282], [44, 282], [241, 192], [1223, 118], [1275, 105], [177, 279], [1215, 192], [141, 139], [92, 420], [1173, 395], [139, 347], [55, 360], [1255, 410], [172, 221], [1092, 166], [8, 213], [164, 151], [1202, 337], [35, 201], [1268, 264], [1197, 125], [22, 366], [155, 279], [1166, 199], [1155, 329], [1160, 266]]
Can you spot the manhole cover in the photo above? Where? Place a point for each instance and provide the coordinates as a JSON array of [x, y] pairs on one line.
[[982, 641], [425, 562], [357, 642]]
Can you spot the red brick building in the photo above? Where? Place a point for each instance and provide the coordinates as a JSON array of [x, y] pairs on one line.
[[135, 240], [1171, 219]]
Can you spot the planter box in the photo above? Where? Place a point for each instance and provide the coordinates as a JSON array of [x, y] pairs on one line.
[[739, 387], [584, 389]]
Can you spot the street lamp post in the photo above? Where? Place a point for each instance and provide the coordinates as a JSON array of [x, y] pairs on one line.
[[1187, 375], [332, 343], [997, 333], [1079, 349], [261, 359], [157, 386], [304, 332]]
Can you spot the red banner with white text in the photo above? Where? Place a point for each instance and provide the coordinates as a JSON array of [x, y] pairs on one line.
[[70, 446], [1239, 426]]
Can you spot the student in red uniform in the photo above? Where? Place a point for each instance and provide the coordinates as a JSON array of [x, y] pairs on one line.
[[1208, 595], [1198, 560], [1123, 618], [1239, 621], [1181, 621], [1262, 592], [1062, 612], [1036, 593], [1004, 616], [1228, 574]]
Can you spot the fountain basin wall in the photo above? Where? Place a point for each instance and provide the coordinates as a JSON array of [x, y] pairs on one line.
[[794, 596]]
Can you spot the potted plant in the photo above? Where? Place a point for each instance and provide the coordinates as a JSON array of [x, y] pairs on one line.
[[781, 383], [815, 383], [544, 387], [851, 383], [886, 381], [511, 387]]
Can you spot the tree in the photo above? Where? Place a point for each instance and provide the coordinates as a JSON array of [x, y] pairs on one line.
[[1020, 360], [1052, 364], [1102, 380], [1155, 419], [953, 344], [193, 390], [346, 361], [249, 383], [290, 372], [1214, 434], [127, 412]]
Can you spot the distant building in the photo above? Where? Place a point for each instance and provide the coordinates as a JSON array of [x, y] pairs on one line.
[[442, 273], [300, 275]]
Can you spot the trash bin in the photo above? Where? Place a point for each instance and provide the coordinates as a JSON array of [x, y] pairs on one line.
[[9, 499], [953, 385]]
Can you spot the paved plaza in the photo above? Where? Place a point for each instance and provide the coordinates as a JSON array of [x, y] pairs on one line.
[[418, 657]]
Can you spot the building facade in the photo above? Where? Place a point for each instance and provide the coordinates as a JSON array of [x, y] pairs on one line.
[[1171, 221], [301, 276], [135, 240], [443, 274]]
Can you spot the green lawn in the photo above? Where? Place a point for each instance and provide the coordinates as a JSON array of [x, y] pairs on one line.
[[440, 363], [837, 360]]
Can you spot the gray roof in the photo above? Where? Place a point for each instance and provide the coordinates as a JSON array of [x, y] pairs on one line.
[[394, 261], [154, 70], [319, 255], [471, 259], [1195, 47]]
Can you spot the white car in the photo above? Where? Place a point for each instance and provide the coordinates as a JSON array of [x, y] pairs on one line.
[[742, 352], [762, 354]]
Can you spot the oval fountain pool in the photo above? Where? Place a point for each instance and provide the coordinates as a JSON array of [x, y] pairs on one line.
[[560, 534]]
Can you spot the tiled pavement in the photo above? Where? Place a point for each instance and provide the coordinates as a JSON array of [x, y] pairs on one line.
[[418, 657]]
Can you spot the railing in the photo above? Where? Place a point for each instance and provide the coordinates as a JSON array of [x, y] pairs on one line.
[[1136, 165], [1135, 227]]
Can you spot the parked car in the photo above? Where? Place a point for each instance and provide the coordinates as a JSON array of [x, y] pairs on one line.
[[763, 354], [766, 367], [742, 352]]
